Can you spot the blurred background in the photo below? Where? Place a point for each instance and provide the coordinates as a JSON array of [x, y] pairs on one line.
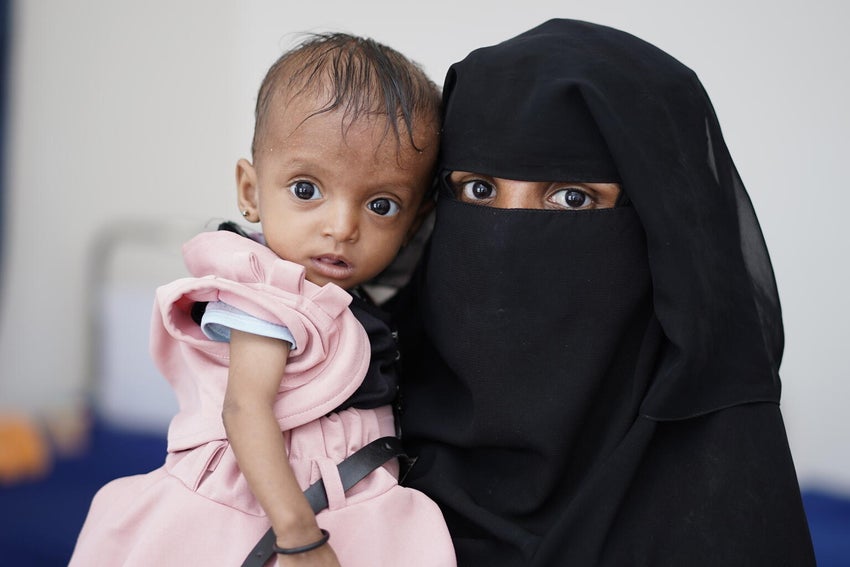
[[121, 126]]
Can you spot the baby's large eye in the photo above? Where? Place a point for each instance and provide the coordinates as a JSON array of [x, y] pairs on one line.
[[571, 198], [477, 190], [383, 206], [305, 190]]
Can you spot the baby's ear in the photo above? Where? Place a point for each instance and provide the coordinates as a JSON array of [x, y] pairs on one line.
[[247, 193]]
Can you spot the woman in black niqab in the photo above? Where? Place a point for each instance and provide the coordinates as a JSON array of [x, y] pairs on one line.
[[597, 387]]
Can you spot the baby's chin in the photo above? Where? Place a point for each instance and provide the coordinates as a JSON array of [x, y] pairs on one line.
[[320, 280]]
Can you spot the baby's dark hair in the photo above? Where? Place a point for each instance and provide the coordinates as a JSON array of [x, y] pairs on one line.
[[362, 76]]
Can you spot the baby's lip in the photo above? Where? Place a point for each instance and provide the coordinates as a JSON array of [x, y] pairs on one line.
[[333, 260], [332, 266]]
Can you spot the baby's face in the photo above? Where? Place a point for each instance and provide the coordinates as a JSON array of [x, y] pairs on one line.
[[339, 198], [511, 194]]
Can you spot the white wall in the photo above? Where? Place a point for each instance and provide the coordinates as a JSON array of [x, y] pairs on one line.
[[124, 109]]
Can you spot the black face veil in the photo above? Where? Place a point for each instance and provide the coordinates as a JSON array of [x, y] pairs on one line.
[[528, 109], [553, 348]]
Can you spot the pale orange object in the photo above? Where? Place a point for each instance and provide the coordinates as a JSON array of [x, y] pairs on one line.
[[24, 451]]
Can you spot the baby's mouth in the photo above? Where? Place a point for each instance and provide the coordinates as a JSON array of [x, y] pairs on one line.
[[332, 267], [333, 261]]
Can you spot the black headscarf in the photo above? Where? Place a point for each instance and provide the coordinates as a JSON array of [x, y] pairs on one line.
[[598, 387]]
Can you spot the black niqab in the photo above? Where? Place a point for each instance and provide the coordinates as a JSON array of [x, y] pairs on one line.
[[598, 387]]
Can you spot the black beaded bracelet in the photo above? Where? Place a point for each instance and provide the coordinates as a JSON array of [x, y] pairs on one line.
[[304, 548]]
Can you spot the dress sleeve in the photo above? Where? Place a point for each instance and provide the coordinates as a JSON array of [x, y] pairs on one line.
[[328, 366], [219, 318]]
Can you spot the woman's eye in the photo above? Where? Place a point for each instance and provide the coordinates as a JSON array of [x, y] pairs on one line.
[[384, 207], [571, 198], [305, 190], [477, 190]]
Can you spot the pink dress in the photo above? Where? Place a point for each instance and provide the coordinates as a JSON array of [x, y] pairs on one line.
[[197, 508]]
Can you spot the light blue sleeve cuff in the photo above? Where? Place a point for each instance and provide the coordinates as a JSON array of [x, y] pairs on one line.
[[219, 318]]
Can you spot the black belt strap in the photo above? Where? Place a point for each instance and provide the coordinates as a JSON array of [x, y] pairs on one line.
[[351, 471]]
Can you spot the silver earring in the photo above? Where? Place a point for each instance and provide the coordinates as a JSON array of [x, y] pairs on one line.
[[245, 213]]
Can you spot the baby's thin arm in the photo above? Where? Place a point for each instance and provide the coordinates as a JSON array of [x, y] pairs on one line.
[[256, 368]]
